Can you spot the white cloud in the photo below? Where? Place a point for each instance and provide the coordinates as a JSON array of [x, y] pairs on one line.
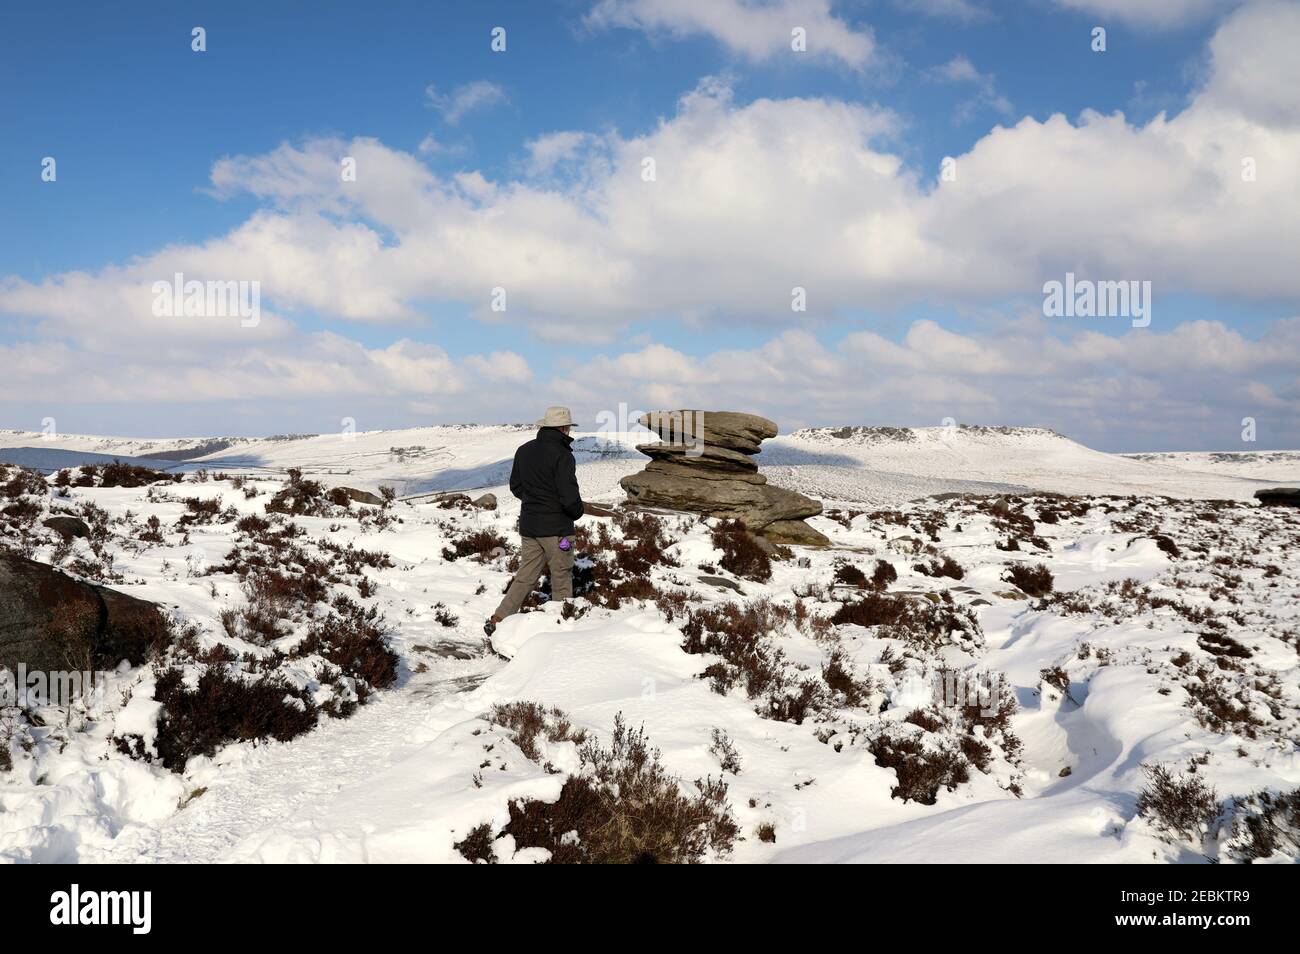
[[754, 29], [500, 366], [751, 201], [1152, 13], [957, 70], [315, 366], [464, 99], [549, 151], [961, 70], [1255, 66], [431, 145], [1190, 385]]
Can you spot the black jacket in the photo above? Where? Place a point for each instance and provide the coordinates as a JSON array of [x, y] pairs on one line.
[[545, 478]]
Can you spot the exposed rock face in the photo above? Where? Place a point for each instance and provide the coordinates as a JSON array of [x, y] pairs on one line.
[[726, 429], [67, 526], [795, 532], [52, 622], [705, 465], [1279, 497], [363, 496]]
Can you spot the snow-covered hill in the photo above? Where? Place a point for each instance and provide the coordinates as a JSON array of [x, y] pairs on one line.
[[1278, 467], [1168, 638], [883, 465], [864, 465]]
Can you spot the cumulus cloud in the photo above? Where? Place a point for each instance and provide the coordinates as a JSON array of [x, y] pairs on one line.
[[754, 29], [749, 201], [1255, 69], [1189, 386], [306, 366]]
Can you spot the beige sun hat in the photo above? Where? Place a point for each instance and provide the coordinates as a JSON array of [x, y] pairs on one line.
[[556, 416]]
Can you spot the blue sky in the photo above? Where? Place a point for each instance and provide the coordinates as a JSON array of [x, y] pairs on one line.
[[120, 92], [138, 122]]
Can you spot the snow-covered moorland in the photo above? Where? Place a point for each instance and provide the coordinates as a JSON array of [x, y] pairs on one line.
[[1042, 663]]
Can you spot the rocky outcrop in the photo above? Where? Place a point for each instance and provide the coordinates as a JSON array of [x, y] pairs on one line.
[[794, 532], [362, 496], [67, 526], [1279, 497], [705, 465], [52, 622]]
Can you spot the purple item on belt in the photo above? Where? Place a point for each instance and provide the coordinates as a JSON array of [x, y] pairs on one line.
[[564, 543]]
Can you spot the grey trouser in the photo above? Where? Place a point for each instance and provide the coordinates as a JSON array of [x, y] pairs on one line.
[[538, 553]]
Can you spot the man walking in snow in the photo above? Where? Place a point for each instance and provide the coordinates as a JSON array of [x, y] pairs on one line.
[[545, 478]]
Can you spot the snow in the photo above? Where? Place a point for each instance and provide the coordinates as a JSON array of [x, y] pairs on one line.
[[1272, 467], [419, 766], [869, 467], [863, 467]]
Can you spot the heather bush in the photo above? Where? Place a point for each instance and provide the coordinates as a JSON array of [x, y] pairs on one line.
[[479, 545], [923, 762], [355, 640], [920, 622], [303, 497], [1182, 805], [1033, 580], [741, 553], [743, 636], [527, 721], [1263, 825], [223, 708], [623, 807], [883, 575], [847, 574], [939, 568], [23, 482], [117, 473]]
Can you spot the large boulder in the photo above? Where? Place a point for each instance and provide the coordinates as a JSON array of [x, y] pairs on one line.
[[52, 622], [795, 532], [699, 455], [756, 504], [702, 472], [67, 526], [1279, 497], [705, 466], [729, 429], [357, 495]]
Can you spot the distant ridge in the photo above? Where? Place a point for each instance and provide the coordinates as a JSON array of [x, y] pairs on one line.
[[879, 434]]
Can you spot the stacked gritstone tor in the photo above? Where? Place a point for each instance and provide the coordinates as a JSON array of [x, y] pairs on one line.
[[705, 465]]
